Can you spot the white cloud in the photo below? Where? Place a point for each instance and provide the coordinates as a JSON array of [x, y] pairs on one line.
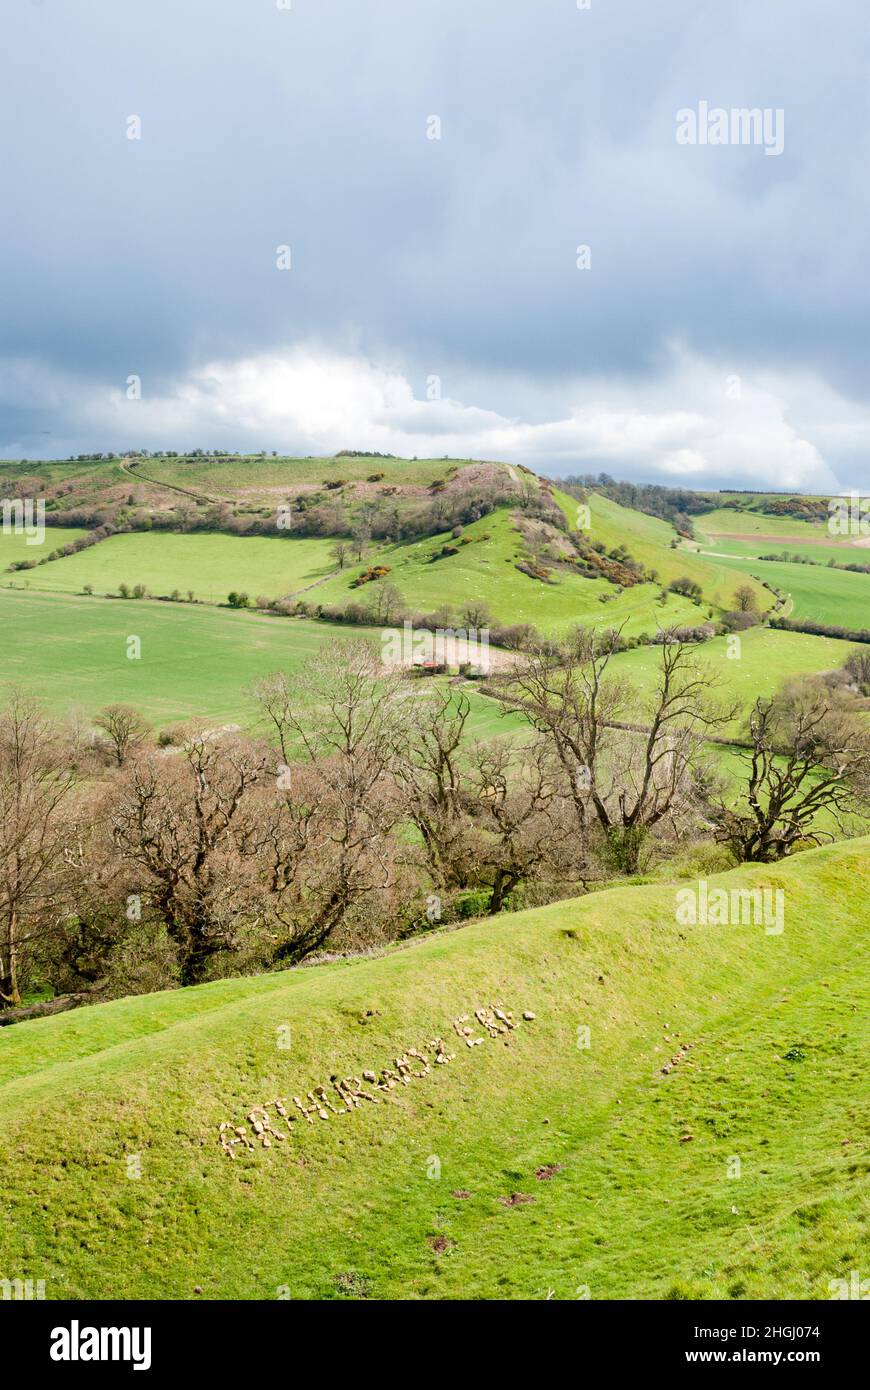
[[696, 423]]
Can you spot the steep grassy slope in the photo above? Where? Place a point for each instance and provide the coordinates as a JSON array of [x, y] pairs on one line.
[[485, 569], [404, 1199], [649, 540]]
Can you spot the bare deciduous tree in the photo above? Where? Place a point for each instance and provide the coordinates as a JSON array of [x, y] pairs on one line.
[[124, 730], [630, 764], [340, 553], [186, 824], [341, 719], [34, 791], [806, 756], [516, 796], [429, 772], [745, 600]]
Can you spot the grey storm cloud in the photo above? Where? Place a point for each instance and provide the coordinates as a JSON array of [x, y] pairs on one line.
[[307, 126]]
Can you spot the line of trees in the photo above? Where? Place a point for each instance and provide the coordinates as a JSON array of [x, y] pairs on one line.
[[360, 813]]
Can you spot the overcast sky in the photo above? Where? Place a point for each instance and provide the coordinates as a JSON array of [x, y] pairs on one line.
[[717, 332]]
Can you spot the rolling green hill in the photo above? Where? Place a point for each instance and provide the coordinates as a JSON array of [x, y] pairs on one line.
[[531, 1166], [185, 494], [252, 477], [485, 569], [649, 540], [252, 482]]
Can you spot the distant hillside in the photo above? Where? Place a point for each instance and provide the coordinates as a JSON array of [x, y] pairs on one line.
[[445, 533]]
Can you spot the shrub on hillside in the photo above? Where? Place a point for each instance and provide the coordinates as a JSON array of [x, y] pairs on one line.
[[736, 620], [689, 588]]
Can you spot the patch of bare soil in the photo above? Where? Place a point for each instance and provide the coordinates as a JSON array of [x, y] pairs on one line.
[[548, 1171], [538, 534], [480, 475], [458, 651], [441, 1244]]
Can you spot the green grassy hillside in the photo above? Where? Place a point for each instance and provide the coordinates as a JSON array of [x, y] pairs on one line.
[[485, 569], [260, 477], [649, 540], [818, 593], [128, 492], [726, 532], [209, 564], [252, 481], [14, 547], [766, 659], [527, 1167], [196, 663]]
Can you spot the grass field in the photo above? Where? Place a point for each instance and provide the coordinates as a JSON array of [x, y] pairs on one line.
[[767, 659], [209, 564], [196, 662], [242, 478], [641, 1196], [14, 547], [649, 540], [822, 594], [725, 521], [749, 534], [58, 471], [254, 476]]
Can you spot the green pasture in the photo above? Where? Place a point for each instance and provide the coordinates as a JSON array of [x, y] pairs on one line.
[[818, 593], [744, 666], [557, 1162], [196, 662], [209, 563]]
